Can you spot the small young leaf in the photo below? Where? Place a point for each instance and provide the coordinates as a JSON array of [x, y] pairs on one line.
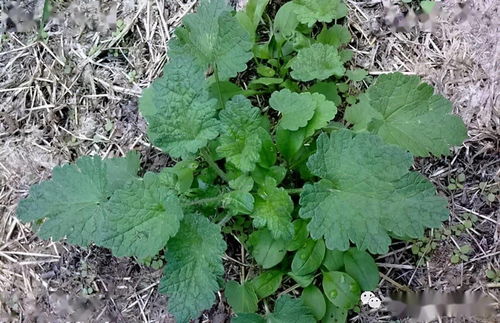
[[240, 142], [361, 266], [273, 209], [267, 251], [239, 202], [261, 173], [296, 109], [265, 71], [427, 6], [267, 283], [356, 74], [250, 17], [242, 298], [317, 62], [243, 183], [341, 289], [310, 11], [336, 36], [285, 21], [308, 258], [314, 299]]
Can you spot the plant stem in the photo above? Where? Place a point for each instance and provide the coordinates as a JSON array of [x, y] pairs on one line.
[[206, 155], [217, 81], [204, 201], [224, 220], [294, 190]]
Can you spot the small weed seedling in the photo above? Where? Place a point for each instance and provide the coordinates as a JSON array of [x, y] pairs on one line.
[[311, 177]]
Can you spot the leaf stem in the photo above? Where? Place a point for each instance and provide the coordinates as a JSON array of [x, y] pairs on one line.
[[206, 155], [294, 190], [204, 201], [217, 80], [224, 220]]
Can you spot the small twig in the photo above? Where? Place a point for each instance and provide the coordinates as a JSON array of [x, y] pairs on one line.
[[396, 284]]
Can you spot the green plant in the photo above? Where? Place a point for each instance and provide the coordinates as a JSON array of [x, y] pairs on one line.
[[306, 195], [461, 254]]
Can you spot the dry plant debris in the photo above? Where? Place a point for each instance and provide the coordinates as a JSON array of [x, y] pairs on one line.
[[75, 93]]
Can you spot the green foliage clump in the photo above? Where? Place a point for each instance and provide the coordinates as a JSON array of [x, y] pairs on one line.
[[307, 191]]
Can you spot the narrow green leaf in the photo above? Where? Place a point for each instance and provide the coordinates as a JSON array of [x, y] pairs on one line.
[[239, 202], [267, 283], [361, 266], [289, 142], [303, 281], [250, 17], [334, 260], [308, 258], [314, 299], [300, 235]]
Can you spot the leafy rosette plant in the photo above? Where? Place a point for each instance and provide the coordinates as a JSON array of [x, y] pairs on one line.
[[271, 146]]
